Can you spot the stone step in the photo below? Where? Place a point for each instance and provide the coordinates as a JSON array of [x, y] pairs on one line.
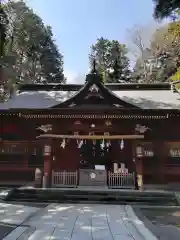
[[89, 194]]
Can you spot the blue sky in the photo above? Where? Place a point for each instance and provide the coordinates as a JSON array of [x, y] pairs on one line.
[[77, 24]]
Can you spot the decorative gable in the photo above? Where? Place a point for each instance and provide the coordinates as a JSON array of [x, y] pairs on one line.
[[94, 88], [95, 94], [94, 91]]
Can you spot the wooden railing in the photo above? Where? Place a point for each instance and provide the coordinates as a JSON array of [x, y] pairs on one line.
[[63, 179], [115, 180], [121, 180]]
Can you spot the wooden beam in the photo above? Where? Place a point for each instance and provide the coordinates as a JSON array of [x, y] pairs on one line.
[[111, 137]]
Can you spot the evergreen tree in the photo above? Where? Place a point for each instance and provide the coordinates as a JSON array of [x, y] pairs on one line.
[[166, 8], [32, 56], [112, 62]]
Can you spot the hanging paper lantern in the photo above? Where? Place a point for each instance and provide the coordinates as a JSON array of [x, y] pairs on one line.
[[47, 150], [139, 151]]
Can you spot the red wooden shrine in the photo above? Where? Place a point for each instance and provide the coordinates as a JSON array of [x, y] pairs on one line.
[[143, 117]]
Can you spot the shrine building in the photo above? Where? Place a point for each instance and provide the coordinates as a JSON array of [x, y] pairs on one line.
[[130, 130]]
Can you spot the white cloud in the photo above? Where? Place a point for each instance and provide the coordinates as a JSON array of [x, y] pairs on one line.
[[74, 77]]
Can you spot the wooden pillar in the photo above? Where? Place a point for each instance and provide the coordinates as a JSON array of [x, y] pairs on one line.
[[138, 158], [47, 165], [139, 171]]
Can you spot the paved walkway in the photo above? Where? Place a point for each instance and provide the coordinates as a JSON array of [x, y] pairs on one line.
[[81, 222], [12, 215], [15, 214]]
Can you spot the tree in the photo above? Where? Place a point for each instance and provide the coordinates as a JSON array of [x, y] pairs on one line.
[[3, 29], [100, 53], [161, 59], [112, 62], [51, 60], [166, 49], [119, 65], [166, 8], [3, 35], [140, 42], [32, 46], [170, 52], [141, 64]]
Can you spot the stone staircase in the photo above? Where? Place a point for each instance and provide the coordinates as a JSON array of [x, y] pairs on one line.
[[97, 195]]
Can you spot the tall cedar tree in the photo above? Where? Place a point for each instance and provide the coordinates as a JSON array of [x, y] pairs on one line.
[[165, 8]]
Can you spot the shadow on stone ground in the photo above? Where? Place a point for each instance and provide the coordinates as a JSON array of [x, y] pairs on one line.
[[5, 229], [163, 223]]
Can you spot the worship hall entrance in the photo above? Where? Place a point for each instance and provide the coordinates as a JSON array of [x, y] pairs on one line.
[[105, 161]]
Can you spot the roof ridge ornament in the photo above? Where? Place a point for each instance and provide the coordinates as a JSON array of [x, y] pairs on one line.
[[94, 70], [93, 76], [94, 88]]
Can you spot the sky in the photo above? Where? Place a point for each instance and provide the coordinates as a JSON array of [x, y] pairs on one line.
[[76, 25]]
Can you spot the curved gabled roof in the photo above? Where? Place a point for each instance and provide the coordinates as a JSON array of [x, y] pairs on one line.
[[127, 95], [95, 88]]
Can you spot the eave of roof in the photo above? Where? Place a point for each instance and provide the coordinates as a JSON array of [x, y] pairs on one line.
[[94, 79], [110, 86], [44, 96]]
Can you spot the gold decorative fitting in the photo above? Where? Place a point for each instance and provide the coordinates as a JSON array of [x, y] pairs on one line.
[[108, 123], [91, 133], [77, 122], [106, 134], [94, 88]]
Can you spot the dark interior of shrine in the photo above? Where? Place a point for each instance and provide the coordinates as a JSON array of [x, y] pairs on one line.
[[95, 152]]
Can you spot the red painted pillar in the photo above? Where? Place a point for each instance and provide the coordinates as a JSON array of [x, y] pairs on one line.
[[47, 166], [139, 166], [139, 171]]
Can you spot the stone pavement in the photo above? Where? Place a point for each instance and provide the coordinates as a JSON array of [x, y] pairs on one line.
[[81, 222], [12, 216], [15, 214]]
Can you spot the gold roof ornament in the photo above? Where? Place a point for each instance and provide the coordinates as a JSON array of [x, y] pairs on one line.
[[108, 123], [94, 88], [141, 129], [77, 122], [45, 128], [106, 133]]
